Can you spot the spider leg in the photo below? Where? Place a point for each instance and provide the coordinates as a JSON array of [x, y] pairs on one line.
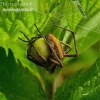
[[76, 50], [53, 65], [34, 38], [56, 62], [52, 68], [25, 36], [67, 45], [69, 48], [70, 55], [22, 39], [34, 59]]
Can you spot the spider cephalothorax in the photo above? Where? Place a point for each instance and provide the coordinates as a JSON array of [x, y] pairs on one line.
[[47, 51]]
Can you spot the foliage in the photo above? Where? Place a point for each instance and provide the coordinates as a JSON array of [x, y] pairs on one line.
[[84, 85], [16, 82], [21, 83]]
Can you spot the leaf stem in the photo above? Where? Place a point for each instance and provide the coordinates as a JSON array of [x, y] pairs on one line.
[[49, 87]]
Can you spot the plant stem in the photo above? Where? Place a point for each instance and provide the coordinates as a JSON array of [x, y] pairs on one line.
[[49, 87]]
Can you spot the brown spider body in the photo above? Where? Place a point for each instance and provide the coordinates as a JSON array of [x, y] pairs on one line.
[[56, 45], [53, 48]]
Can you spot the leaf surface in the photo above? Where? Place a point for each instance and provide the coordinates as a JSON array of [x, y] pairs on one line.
[[17, 82], [84, 85]]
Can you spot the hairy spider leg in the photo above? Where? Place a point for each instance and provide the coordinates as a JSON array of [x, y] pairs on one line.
[[67, 45], [76, 50]]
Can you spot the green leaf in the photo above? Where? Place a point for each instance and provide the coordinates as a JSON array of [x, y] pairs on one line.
[[80, 8], [17, 82], [2, 96], [84, 85], [11, 23]]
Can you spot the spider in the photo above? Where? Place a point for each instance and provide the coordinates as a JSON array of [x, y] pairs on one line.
[[56, 53]]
